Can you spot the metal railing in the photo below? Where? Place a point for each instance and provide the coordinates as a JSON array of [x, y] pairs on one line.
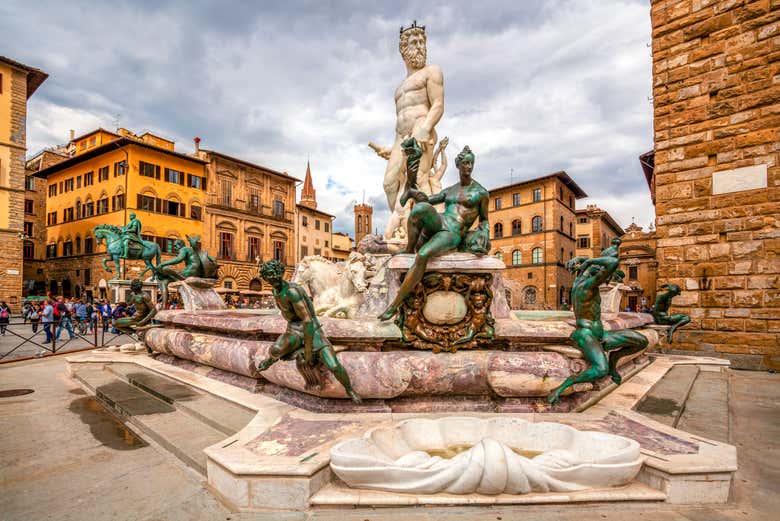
[[19, 334]]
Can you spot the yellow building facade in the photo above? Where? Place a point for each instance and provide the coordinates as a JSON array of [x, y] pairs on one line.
[[108, 177]]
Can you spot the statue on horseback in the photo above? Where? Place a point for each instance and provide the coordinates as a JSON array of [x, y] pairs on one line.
[[126, 243]]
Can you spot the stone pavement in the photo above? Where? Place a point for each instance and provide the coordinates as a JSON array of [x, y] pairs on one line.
[[19, 331], [63, 457]]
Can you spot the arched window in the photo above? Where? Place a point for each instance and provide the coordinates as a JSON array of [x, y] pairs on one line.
[[536, 224], [498, 230], [517, 227], [255, 285], [78, 245], [529, 295], [499, 255], [517, 257], [536, 256], [359, 224]]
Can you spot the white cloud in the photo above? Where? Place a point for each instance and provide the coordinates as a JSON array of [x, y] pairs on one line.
[[530, 86]]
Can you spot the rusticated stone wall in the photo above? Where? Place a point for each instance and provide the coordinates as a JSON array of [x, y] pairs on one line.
[[716, 92]]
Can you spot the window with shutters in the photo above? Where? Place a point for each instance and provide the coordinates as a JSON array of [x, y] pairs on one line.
[[253, 203], [316, 224], [196, 212], [536, 224], [78, 181], [29, 250], [89, 178], [102, 173], [145, 202], [174, 176], [279, 251], [195, 181], [51, 218], [583, 241], [28, 206], [52, 190], [88, 210], [498, 230], [121, 166], [67, 214], [69, 185], [67, 249], [517, 227], [279, 209], [102, 206], [148, 169], [227, 192], [119, 202], [225, 245], [253, 249], [28, 229], [172, 207]]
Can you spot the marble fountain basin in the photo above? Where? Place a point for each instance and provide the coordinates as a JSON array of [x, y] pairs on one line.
[[466, 455]]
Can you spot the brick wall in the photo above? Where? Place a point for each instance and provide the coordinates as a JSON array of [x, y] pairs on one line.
[[716, 91]]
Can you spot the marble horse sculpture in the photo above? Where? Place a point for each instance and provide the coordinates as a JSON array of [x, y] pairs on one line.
[[661, 310], [303, 341], [344, 299], [116, 240]]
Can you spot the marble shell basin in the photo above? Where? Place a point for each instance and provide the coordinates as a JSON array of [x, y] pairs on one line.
[[485, 456]]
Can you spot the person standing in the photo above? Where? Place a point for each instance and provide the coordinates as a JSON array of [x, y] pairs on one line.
[[105, 314], [91, 316], [64, 314], [34, 316], [47, 318], [5, 317]]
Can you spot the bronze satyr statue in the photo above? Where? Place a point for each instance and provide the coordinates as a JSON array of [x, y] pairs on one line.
[[431, 233], [304, 341], [144, 310], [589, 335], [197, 263], [661, 310]]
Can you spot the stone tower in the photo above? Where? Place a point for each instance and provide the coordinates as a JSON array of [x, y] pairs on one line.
[[308, 194], [363, 214]]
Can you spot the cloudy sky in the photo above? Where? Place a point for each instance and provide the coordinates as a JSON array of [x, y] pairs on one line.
[[532, 86]]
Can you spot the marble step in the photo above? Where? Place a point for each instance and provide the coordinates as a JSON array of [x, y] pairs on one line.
[[223, 415], [665, 402], [176, 431], [336, 494]]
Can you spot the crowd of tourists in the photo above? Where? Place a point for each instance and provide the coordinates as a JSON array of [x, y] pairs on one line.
[[84, 317]]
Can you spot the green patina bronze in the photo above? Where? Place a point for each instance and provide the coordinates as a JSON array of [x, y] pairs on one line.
[[661, 310], [303, 341], [603, 349], [144, 310], [197, 263], [126, 243], [431, 233]]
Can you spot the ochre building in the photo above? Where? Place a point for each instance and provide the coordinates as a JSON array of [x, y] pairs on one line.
[[638, 262], [17, 83], [249, 218], [342, 246], [533, 225], [595, 230], [716, 103], [109, 176]]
